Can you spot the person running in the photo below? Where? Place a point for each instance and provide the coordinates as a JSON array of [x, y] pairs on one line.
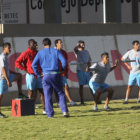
[[97, 82], [59, 46], [48, 58], [83, 57], [7, 76], [24, 62], [134, 67]]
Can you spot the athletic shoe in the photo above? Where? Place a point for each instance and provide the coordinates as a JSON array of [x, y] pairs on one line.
[[44, 112], [2, 115], [66, 114], [82, 102], [36, 107], [138, 101], [73, 103], [22, 96], [106, 107], [51, 117], [95, 108], [125, 102]]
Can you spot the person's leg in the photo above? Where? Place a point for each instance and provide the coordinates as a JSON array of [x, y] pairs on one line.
[[31, 84], [18, 78], [34, 94], [138, 83], [1, 96], [58, 87], [30, 93], [131, 82], [48, 90], [138, 101], [42, 97], [56, 97], [128, 91], [67, 93], [82, 80], [96, 91], [81, 94], [3, 90], [1, 114], [66, 89], [97, 96], [109, 96]]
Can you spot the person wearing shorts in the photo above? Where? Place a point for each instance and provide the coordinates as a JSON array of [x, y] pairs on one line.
[[59, 46], [83, 57], [134, 67], [24, 62], [7, 76], [97, 82]]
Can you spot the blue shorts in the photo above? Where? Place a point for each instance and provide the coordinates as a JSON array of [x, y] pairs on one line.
[[3, 84], [64, 79], [95, 86], [33, 83], [83, 77], [134, 79]]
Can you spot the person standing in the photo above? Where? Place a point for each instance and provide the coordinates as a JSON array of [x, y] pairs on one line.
[[48, 58], [7, 76], [134, 67], [24, 62], [97, 82], [59, 46], [83, 57]]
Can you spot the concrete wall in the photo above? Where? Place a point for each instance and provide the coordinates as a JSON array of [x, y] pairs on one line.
[[71, 30], [119, 93]]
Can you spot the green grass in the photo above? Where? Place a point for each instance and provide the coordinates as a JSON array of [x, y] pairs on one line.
[[123, 122]]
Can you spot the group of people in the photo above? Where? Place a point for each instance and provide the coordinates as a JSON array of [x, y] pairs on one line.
[[47, 71]]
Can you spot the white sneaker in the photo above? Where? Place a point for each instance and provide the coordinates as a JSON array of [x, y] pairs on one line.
[[138, 101], [36, 107], [73, 103], [66, 114], [95, 108], [44, 112], [106, 107]]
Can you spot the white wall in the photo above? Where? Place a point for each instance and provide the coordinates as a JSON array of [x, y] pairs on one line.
[[94, 44]]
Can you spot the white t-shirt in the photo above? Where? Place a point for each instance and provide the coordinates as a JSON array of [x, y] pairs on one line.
[[4, 62], [133, 55], [100, 72]]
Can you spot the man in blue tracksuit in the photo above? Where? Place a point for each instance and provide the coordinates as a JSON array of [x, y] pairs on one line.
[[48, 58]]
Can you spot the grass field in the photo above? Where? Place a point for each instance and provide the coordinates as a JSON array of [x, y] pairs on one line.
[[122, 122]]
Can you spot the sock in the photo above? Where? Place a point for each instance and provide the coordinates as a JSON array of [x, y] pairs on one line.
[[126, 99], [105, 106], [82, 101]]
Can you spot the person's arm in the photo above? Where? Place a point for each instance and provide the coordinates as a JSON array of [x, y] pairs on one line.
[[62, 59], [4, 71], [124, 58], [115, 65], [91, 68], [89, 59], [76, 49], [35, 65], [19, 63], [66, 56]]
